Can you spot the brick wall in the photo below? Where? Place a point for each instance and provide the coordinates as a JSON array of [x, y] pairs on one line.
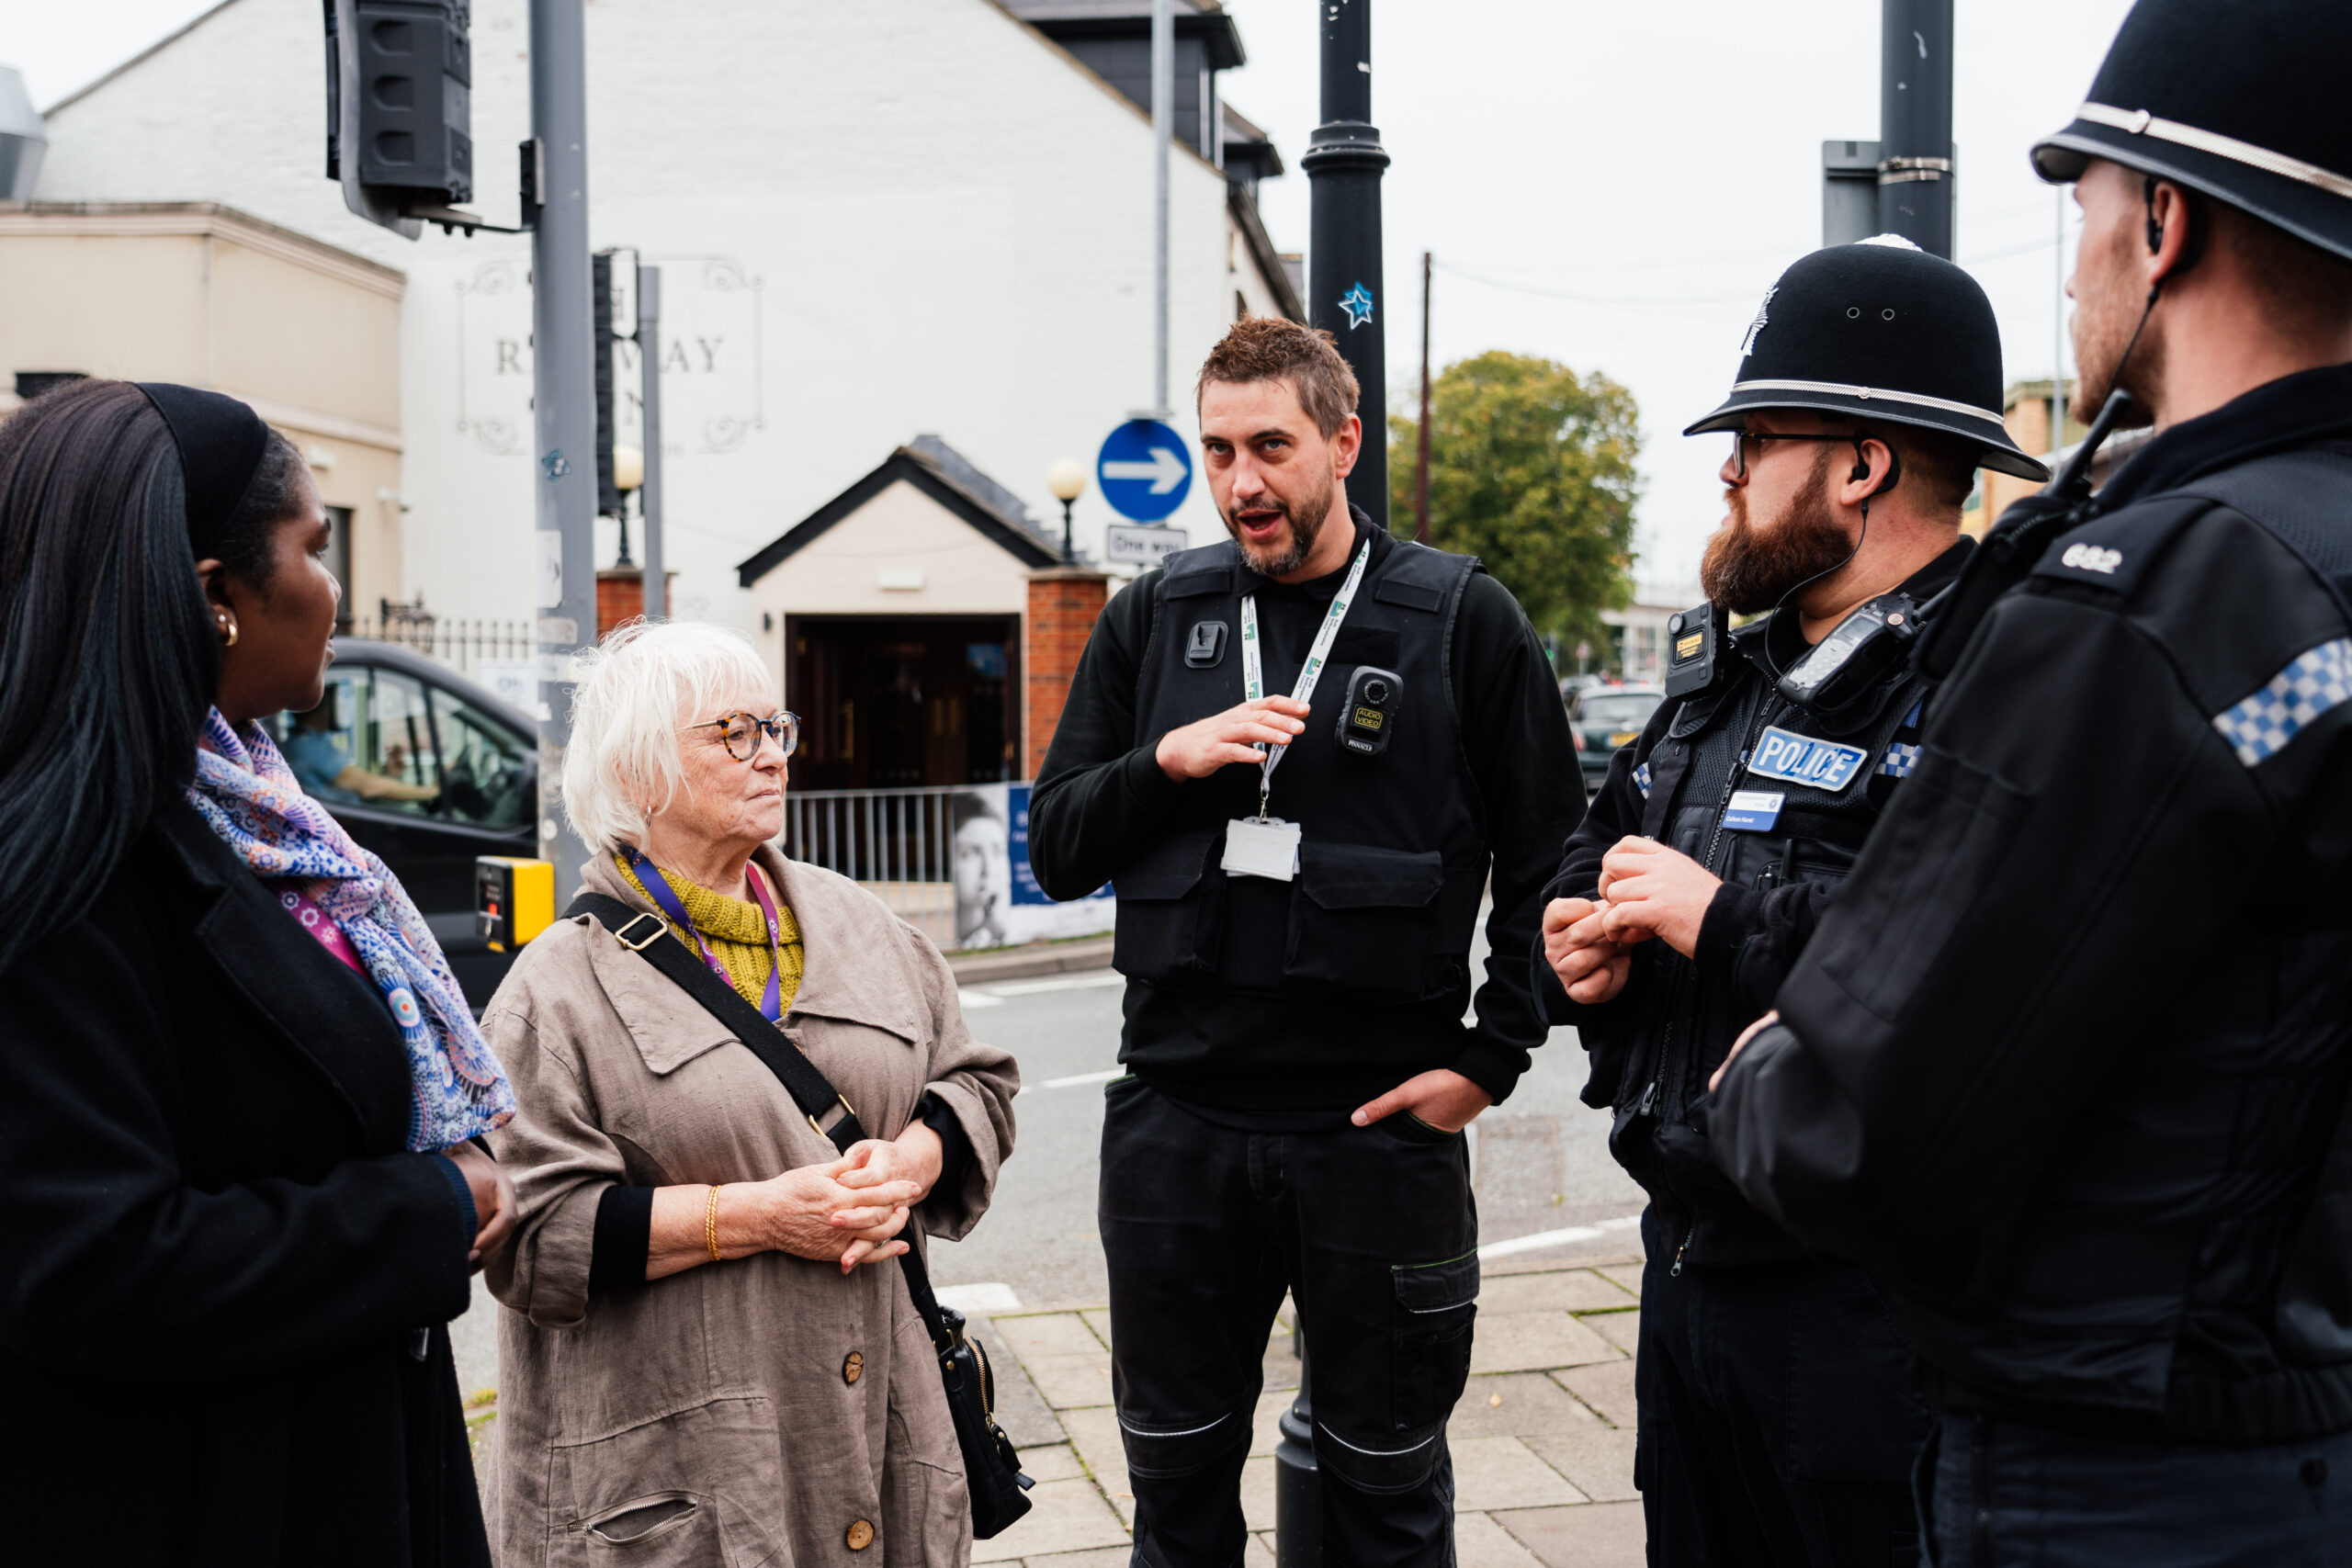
[[1064, 602]]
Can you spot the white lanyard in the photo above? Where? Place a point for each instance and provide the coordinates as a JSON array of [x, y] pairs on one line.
[[1253, 672]]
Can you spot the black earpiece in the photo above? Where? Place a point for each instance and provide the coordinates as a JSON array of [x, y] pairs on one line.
[[2155, 230], [2193, 247]]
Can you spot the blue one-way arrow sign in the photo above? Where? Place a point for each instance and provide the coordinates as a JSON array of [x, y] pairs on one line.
[[1144, 470]]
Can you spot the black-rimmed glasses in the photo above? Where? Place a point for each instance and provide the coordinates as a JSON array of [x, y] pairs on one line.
[[742, 733], [1740, 439]]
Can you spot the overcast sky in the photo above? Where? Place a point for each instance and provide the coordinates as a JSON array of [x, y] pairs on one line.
[[1611, 185]]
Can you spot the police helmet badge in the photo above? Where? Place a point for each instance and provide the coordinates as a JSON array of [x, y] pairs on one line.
[[1763, 317]]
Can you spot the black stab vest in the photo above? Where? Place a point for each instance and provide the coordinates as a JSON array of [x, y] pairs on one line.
[[1392, 858]]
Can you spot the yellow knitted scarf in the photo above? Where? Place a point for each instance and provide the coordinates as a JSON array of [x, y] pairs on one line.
[[737, 933]]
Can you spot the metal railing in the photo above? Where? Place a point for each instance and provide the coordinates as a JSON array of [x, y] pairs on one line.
[[455, 643], [900, 842]]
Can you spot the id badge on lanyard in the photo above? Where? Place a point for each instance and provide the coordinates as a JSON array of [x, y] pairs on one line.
[[1263, 845]]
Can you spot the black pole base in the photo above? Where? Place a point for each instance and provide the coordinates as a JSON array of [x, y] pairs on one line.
[[1298, 1491]]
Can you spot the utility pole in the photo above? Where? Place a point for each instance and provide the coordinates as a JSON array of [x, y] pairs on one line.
[[563, 405], [1422, 479], [1915, 170], [1163, 131], [1347, 295], [648, 490]]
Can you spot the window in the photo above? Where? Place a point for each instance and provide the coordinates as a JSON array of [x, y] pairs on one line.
[[387, 739]]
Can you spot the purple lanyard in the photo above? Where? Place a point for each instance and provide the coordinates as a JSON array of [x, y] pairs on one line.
[[658, 889]]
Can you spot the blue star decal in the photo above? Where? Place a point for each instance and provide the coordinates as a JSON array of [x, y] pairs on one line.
[[1357, 303], [556, 464]]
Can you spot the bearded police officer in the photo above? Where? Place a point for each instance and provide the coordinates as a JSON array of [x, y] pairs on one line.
[[1777, 1421], [2067, 1061], [1300, 754]]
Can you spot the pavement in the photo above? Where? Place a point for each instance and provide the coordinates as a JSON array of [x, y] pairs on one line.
[[1543, 1441]]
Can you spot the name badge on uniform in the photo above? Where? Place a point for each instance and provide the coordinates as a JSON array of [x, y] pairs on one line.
[[1267, 849], [1753, 811], [1805, 760]]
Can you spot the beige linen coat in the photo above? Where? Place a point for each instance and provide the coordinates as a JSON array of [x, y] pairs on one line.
[[728, 1387]]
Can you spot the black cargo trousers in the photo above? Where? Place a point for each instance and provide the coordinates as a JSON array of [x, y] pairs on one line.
[[1372, 1231]]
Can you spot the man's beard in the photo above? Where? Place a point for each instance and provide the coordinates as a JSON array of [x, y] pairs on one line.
[[1305, 527], [1748, 569], [2107, 314]]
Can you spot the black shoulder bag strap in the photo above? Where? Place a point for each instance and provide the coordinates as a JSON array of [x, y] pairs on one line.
[[993, 1469]]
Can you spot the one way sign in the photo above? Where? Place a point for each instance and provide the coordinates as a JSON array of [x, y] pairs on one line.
[[1144, 469]]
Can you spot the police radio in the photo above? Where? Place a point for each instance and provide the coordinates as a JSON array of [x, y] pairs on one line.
[[1369, 716], [1852, 661], [1697, 641]]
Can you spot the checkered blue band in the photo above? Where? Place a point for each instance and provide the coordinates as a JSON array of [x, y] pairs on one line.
[[1900, 760], [1642, 780], [2316, 683]]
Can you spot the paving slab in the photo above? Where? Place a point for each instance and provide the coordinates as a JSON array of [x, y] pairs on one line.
[[1054, 1462], [1626, 1274], [1258, 1551], [1596, 1459], [1098, 1319], [1598, 1534], [1104, 1557], [1480, 1542], [1071, 1381], [1020, 1410], [1066, 1515], [1263, 1432], [1094, 1434], [1622, 1329], [1532, 1342], [1608, 1388], [1048, 1334], [1258, 1494], [1564, 1290], [1531, 1402], [1503, 1472]]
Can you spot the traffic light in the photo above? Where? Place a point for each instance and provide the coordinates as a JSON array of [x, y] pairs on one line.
[[609, 501], [400, 90]]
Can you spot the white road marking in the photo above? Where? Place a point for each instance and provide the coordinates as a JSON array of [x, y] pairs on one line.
[[1059, 983], [969, 999], [994, 1296], [1542, 1239], [1076, 1080]]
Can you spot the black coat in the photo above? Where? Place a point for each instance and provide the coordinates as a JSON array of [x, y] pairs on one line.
[[2069, 1060], [215, 1256]]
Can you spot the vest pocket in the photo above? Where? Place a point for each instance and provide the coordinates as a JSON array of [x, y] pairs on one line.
[[1172, 908], [1364, 919]]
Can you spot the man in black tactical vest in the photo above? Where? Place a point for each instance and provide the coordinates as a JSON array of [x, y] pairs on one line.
[[1777, 1423], [1299, 878], [2066, 1063]]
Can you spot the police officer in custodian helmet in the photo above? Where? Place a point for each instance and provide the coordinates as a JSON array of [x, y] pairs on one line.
[[2067, 1061], [1303, 753], [1778, 1423]]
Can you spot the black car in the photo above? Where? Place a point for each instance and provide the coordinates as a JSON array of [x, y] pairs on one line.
[[429, 771], [1603, 718]]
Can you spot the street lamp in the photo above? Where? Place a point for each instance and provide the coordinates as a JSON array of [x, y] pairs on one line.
[[1066, 480], [629, 473]]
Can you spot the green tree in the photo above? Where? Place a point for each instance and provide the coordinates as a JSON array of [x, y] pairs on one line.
[[1532, 470]]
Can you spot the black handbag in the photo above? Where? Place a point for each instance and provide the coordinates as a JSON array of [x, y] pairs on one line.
[[992, 1467]]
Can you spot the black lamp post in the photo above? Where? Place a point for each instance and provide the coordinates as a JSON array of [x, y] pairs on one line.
[[1347, 294], [1066, 480]]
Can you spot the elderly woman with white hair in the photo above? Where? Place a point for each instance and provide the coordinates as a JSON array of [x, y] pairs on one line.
[[710, 1357]]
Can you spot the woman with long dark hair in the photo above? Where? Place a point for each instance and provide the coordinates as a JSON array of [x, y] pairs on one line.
[[238, 1204]]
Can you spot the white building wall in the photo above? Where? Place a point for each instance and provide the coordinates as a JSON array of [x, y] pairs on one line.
[[873, 219]]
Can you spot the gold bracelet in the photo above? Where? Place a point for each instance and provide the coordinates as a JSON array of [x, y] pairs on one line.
[[710, 1224]]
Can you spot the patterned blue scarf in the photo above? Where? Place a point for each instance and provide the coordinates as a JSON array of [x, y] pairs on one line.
[[249, 795]]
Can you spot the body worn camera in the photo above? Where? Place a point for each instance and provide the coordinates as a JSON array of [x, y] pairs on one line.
[[1854, 658], [1698, 641], [1369, 716]]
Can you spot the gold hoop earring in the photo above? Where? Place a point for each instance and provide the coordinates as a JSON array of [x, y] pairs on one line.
[[228, 630]]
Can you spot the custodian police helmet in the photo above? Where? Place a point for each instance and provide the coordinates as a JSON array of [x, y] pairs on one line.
[[2244, 102], [1880, 331]]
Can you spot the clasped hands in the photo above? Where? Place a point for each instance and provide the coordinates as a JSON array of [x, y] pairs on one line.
[[1646, 891], [848, 1210]]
